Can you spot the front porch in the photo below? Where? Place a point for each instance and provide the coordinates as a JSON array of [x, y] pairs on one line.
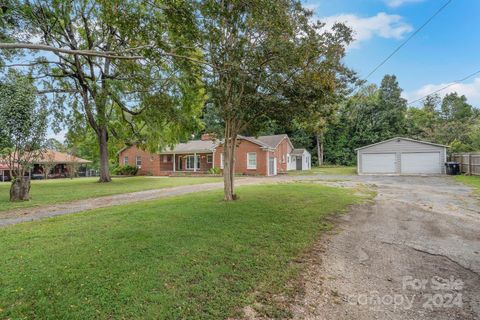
[[186, 163]]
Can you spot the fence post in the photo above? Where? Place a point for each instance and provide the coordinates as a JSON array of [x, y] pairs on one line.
[[469, 164]]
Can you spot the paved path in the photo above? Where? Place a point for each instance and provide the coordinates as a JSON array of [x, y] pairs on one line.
[[422, 229], [30, 214]]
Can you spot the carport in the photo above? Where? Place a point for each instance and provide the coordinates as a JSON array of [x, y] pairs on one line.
[[401, 156]]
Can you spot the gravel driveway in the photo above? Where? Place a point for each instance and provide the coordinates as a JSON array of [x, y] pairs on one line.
[[414, 253]]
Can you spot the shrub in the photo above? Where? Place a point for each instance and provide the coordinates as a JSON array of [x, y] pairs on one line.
[[214, 170], [126, 170]]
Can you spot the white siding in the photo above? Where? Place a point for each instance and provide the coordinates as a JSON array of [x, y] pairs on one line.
[[399, 146]]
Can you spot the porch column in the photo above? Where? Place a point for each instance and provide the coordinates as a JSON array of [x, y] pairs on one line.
[[3, 175], [213, 159], [174, 162], [194, 162]]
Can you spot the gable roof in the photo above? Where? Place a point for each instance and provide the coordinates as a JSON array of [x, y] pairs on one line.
[[52, 156], [199, 146], [273, 141], [299, 152], [405, 139]]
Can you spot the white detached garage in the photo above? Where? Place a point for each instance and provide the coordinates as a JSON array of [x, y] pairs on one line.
[[401, 156]]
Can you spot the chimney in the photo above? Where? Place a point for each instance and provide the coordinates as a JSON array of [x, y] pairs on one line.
[[206, 137]]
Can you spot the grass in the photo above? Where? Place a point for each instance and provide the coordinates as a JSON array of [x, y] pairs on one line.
[[193, 256], [327, 170], [45, 192], [473, 181]]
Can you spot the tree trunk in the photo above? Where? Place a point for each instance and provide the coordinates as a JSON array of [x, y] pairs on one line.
[[229, 147], [20, 189], [320, 149], [103, 145]]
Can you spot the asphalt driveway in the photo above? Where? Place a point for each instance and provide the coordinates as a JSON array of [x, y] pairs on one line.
[[414, 253]]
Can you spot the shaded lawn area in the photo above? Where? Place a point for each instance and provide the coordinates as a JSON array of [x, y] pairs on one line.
[[63, 190], [327, 170], [473, 181], [193, 256]]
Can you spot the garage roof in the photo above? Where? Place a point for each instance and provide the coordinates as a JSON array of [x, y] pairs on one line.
[[402, 138]]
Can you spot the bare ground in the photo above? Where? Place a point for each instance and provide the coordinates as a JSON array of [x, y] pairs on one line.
[[389, 259]]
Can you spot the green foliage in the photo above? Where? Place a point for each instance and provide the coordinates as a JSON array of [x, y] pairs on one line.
[[23, 122], [126, 170], [372, 115], [189, 257], [451, 121], [153, 99], [215, 170]]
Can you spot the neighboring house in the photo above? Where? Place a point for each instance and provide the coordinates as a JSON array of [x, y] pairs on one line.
[[4, 172], [52, 164], [401, 156], [300, 159], [58, 165], [264, 155]]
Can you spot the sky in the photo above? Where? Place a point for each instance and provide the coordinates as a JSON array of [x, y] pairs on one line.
[[447, 49]]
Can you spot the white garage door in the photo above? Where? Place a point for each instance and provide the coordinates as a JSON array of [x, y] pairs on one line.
[[421, 162], [378, 163]]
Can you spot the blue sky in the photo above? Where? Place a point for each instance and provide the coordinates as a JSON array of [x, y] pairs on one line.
[[447, 49]]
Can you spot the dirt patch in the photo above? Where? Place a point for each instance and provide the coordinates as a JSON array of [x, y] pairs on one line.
[[411, 254]]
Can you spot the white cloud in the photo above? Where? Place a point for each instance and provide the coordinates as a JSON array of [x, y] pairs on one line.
[[399, 3], [471, 90], [388, 26]]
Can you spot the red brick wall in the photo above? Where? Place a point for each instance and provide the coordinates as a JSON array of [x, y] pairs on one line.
[[150, 161], [241, 158], [281, 152]]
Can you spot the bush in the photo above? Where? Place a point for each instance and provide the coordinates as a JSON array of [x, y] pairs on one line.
[[214, 170], [125, 170]]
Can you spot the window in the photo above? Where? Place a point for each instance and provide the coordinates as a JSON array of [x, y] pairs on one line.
[[138, 161], [221, 160], [251, 160], [165, 159], [125, 160], [209, 158]]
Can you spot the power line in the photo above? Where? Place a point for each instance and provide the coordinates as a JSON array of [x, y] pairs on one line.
[[446, 87], [409, 38]]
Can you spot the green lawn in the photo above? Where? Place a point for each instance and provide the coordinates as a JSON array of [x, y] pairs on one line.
[[193, 256], [327, 170], [473, 181], [63, 190]]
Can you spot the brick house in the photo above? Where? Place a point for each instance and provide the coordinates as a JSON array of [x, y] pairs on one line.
[[264, 155]]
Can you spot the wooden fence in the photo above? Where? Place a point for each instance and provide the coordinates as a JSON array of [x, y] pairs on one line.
[[469, 162]]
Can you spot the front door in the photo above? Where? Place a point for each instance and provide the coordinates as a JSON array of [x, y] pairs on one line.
[[299, 163], [272, 166], [191, 162]]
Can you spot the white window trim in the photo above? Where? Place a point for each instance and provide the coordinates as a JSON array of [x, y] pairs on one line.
[[249, 166], [211, 158], [136, 161], [125, 160]]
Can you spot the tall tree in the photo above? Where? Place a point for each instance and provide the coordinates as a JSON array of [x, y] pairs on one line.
[[23, 125], [391, 108], [258, 51], [121, 61]]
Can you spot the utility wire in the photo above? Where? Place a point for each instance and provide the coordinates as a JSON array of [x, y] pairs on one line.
[[409, 38], [446, 87]]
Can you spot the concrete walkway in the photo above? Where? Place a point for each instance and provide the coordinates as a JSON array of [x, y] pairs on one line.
[[30, 214]]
